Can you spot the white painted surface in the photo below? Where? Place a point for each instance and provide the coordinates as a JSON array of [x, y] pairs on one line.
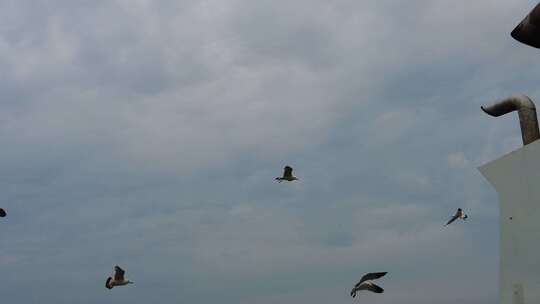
[[516, 177]]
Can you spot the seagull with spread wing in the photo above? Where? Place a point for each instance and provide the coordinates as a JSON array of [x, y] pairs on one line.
[[366, 284], [459, 214], [287, 175], [118, 279]]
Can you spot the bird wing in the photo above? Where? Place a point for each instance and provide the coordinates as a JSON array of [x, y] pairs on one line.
[[455, 217], [118, 273], [367, 286], [374, 288], [2, 212], [287, 172], [371, 276]]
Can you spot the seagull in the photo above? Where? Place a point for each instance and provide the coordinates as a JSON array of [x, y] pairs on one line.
[[2, 212], [287, 175], [366, 284], [459, 214], [118, 278]]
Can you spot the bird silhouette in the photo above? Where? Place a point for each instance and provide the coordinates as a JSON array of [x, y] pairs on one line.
[[366, 283], [287, 175]]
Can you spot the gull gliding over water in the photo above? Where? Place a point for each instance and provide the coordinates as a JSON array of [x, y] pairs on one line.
[[366, 284], [118, 279], [287, 175]]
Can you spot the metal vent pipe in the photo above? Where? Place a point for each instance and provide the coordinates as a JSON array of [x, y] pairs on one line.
[[528, 30], [526, 111]]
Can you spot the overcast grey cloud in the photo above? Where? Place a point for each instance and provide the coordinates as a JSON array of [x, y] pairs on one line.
[[147, 134]]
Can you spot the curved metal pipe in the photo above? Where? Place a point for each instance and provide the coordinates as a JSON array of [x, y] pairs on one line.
[[528, 30], [526, 111]]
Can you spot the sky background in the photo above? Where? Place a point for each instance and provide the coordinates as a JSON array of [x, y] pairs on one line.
[[148, 133]]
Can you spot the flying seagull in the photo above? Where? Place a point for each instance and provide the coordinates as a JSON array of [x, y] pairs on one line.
[[459, 214], [366, 284], [287, 175], [2, 212], [118, 278]]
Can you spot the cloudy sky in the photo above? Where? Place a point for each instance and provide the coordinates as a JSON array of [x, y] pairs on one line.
[[147, 134]]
